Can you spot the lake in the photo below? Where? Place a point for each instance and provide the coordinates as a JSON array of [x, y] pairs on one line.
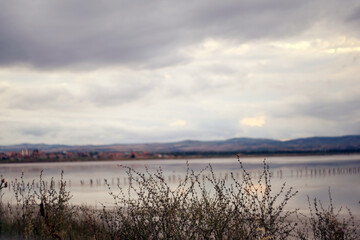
[[312, 176]]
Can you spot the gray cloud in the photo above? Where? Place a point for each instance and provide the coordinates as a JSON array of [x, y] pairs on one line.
[[339, 111], [65, 95], [78, 34], [118, 93], [355, 15], [38, 99], [205, 64], [35, 131], [345, 110], [25, 130]]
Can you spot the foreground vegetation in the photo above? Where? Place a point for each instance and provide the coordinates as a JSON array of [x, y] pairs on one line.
[[150, 209]]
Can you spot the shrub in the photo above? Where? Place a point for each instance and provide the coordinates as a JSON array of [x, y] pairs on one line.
[[40, 214], [201, 206], [3, 184], [150, 209], [327, 223]]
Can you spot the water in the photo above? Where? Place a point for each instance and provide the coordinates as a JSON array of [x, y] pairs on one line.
[[312, 176]]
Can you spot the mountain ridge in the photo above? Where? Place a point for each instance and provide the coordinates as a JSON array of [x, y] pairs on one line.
[[318, 143]]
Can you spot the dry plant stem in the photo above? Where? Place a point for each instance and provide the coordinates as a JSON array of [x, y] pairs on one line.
[[241, 210], [201, 206], [326, 223]]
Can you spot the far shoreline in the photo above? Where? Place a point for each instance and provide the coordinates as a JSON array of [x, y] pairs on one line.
[[183, 157]]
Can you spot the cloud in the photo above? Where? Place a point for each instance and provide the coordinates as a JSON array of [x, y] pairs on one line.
[[3, 87], [328, 109], [355, 15], [117, 93], [61, 91], [77, 35], [140, 71], [253, 121], [178, 123], [299, 91], [36, 131], [38, 99]]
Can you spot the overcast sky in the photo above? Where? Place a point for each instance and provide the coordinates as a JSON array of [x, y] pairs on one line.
[[100, 72]]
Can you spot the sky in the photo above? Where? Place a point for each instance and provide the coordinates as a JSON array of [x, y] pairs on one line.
[[103, 72]]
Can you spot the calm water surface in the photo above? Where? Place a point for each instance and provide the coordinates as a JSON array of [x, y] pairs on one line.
[[311, 175]]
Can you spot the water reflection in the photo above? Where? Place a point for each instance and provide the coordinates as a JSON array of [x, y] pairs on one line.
[[279, 173], [311, 175]]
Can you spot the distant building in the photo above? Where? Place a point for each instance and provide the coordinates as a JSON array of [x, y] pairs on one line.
[[25, 152]]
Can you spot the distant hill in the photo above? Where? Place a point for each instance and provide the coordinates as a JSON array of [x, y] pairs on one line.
[[242, 145]]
